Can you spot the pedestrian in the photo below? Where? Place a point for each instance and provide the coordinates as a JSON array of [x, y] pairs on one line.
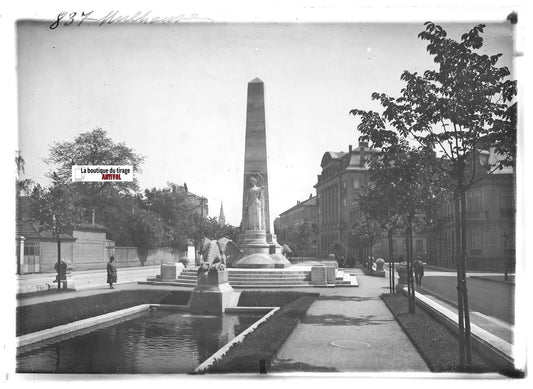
[[419, 271], [111, 272]]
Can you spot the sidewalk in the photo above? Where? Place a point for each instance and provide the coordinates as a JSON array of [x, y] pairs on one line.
[[44, 298], [349, 330], [28, 283]]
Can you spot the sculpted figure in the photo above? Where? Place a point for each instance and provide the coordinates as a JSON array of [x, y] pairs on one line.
[[210, 252], [254, 206], [223, 251]]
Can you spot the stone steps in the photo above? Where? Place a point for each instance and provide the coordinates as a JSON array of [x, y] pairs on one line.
[[261, 278]]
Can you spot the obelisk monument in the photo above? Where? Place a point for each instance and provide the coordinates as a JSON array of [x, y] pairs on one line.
[[256, 241]]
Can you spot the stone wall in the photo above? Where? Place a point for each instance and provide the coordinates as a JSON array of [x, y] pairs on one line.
[[48, 255], [164, 255]]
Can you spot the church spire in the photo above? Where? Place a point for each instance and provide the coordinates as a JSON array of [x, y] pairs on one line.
[[221, 217]]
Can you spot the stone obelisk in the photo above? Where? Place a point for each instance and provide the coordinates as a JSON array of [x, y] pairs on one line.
[[257, 243]]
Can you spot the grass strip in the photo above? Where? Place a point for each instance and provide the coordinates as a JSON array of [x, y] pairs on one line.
[[264, 343], [37, 317], [438, 346]]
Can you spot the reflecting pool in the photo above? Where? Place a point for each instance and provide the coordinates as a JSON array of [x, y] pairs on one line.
[[155, 341]]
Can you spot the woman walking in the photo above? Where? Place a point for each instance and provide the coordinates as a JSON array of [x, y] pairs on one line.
[[111, 272]]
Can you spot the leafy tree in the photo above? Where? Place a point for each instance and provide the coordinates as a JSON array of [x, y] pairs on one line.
[[95, 148], [337, 248], [24, 185], [407, 175], [54, 210], [146, 230], [378, 202], [461, 107], [303, 238], [365, 234]]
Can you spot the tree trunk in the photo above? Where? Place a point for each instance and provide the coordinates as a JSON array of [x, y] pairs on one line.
[[58, 261], [459, 262], [391, 261], [410, 283], [468, 345]]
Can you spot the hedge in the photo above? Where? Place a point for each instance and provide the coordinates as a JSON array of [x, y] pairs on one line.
[[37, 317], [262, 345]]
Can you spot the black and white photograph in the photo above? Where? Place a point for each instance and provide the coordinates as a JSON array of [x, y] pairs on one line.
[[309, 191]]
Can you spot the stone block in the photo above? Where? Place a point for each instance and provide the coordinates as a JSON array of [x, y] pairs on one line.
[[170, 271], [330, 273], [210, 299], [318, 275]]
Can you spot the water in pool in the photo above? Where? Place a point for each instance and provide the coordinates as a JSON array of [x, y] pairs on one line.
[[151, 342]]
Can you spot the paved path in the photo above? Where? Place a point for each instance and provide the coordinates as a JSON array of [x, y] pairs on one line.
[[349, 330], [46, 297], [28, 283]]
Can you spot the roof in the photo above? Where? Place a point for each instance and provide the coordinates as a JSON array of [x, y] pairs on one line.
[[256, 81], [29, 231], [90, 227], [332, 156], [26, 229], [309, 202]]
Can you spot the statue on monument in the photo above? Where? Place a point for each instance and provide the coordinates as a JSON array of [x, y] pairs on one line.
[[254, 218]]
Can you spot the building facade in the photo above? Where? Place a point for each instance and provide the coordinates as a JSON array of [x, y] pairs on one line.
[[343, 177], [286, 226], [490, 225]]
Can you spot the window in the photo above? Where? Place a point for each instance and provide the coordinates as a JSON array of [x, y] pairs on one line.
[[419, 245], [356, 183], [475, 239], [344, 201], [474, 200]]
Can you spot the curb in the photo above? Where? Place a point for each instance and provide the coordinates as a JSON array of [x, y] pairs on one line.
[[498, 350], [492, 280], [202, 368], [64, 329]]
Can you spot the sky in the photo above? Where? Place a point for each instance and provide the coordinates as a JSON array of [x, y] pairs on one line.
[[177, 95]]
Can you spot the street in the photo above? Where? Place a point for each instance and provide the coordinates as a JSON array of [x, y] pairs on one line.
[[491, 298]]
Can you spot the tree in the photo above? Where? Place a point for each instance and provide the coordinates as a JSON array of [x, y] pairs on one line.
[[303, 238], [463, 106], [54, 210], [146, 230], [24, 185], [378, 202], [365, 234], [95, 148], [407, 176]]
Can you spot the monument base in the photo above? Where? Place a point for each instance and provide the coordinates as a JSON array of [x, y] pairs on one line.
[[212, 294], [260, 250]]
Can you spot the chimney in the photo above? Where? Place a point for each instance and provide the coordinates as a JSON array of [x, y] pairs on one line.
[[350, 148], [92, 218], [185, 187], [310, 194]]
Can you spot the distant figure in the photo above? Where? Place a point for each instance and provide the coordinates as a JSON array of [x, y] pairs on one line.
[[419, 270], [111, 272]]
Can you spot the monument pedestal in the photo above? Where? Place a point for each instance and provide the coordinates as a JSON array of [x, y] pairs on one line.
[[258, 252], [212, 294]]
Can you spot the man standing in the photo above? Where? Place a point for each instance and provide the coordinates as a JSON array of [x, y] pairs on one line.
[[111, 272], [419, 271]]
